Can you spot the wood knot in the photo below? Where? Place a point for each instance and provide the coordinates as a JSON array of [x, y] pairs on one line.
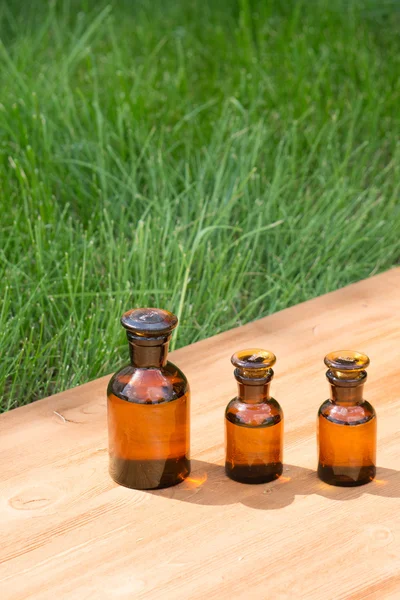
[[34, 498], [381, 535]]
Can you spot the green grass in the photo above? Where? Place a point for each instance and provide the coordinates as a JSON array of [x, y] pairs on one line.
[[223, 160]]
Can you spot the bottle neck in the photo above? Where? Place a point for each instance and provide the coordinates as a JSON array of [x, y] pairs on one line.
[[148, 353], [253, 394], [347, 395]]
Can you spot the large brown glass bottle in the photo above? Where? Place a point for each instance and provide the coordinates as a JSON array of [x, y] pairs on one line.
[[148, 407], [346, 424], [253, 421]]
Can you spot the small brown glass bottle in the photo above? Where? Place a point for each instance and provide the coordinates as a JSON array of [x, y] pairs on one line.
[[253, 421], [148, 407], [346, 424]]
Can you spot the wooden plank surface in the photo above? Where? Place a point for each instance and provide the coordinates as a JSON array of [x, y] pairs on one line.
[[68, 531]]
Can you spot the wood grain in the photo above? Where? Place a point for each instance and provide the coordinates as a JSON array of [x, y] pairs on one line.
[[67, 531]]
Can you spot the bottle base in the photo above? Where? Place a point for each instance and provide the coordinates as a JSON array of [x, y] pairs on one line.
[[149, 474], [254, 473], [346, 476]]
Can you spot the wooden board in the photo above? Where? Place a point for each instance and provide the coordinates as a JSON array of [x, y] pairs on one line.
[[67, 531]]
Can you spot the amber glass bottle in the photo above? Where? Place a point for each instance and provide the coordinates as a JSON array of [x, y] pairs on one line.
[[253, 421], [346, 425], [148, 407]]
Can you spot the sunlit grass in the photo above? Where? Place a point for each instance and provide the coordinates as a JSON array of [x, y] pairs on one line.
[[223, 160]]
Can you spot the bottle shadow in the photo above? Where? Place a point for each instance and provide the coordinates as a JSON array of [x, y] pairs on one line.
[[209, 485]]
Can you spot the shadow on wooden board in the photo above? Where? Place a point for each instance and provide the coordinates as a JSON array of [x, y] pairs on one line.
[[208, 484]]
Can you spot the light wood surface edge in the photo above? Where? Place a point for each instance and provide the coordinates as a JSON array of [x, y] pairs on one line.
[[67, 530]]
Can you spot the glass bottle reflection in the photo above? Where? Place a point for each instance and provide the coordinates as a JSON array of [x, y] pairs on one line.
[[253, 421], [148, 407], [346, 424]]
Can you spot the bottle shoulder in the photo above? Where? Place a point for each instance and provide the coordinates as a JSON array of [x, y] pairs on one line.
[[148, 385], [342, 414], [260, 414]]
